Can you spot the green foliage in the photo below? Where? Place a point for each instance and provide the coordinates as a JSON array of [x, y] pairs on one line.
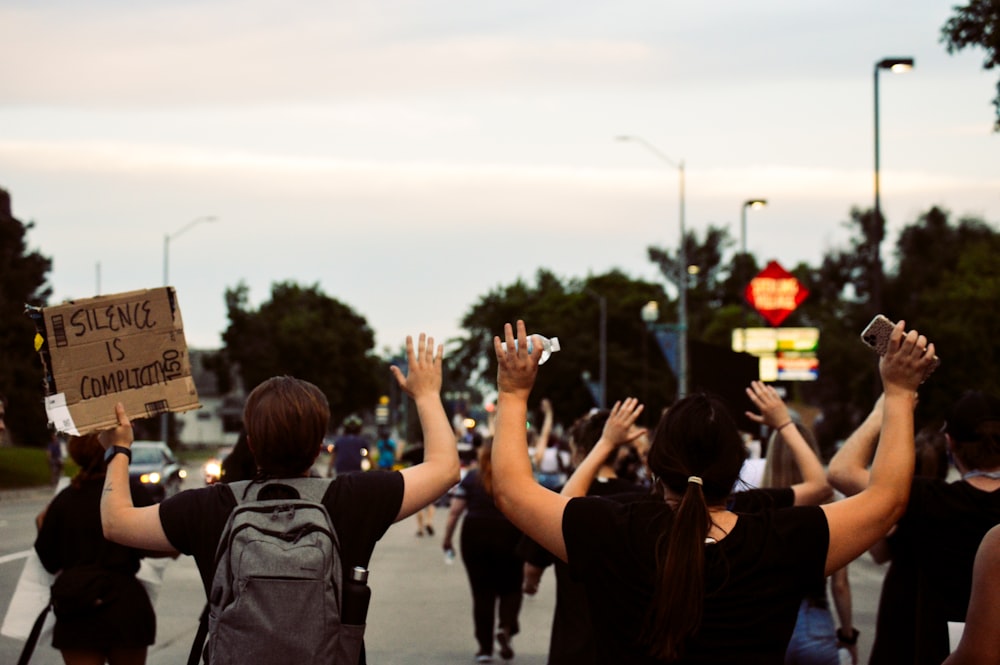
[[304, 333], [977, 24], [23, 467], [22, 282], [570, 310]]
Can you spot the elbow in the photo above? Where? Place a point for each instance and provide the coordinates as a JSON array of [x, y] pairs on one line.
[[838, 477], [825, 492]]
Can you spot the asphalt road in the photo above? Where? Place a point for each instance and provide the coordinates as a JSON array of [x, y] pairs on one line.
[[420, 612]]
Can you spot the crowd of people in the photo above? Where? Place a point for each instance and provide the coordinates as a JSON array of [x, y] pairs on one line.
[[661, 553]]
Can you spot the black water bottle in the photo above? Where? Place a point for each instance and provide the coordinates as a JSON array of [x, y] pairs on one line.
[[357, 595]]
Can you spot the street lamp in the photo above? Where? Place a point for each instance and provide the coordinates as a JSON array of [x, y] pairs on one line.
[[166, 282], [754, 204], [681, 278], [895, 65]]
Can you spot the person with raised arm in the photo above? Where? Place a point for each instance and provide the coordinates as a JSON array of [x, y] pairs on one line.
[[286, 419], [678, 577]]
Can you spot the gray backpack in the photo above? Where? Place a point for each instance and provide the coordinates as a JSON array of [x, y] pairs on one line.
[[276, 595]]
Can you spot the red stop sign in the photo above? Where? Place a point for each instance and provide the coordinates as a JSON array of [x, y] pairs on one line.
[[775, 293]]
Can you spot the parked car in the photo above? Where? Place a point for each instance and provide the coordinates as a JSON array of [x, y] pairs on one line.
[[212, 468], [156, 467]]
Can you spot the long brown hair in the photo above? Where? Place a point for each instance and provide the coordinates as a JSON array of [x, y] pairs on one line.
[[697, 454], [486, 466], [780, 467]]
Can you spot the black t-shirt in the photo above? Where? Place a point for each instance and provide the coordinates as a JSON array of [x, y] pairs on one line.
[[72, 535], [753, 577], [572, 639], [479, 504], [362, 507], [942, 528]]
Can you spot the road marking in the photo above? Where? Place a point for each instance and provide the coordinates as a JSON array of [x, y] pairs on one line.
[[7, 558]]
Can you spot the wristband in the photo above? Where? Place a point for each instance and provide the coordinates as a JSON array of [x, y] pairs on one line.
[[848, 641], [781, 427], [114, 450]]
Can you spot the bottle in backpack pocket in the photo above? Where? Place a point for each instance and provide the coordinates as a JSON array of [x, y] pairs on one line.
[[356, 597]]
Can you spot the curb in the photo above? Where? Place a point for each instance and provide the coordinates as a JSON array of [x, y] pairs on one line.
[[39, 493]]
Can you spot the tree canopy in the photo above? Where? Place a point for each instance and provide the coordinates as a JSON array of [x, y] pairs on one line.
[[977, 24], [23, 281], [304, 333]]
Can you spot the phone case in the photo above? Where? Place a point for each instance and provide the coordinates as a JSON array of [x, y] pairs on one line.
[[876, 334]]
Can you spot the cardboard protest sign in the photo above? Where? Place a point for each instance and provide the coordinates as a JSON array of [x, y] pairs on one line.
[[127, 348]]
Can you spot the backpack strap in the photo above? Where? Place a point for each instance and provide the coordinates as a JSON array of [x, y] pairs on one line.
[[309, 488]]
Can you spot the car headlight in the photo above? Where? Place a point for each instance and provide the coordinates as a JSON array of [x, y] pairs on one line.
[[213, 469], [153, 477], [183, 474]]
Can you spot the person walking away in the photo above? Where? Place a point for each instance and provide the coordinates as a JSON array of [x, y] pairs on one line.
[[678, 575], [115, 623], [386, 448], [897, 606], [54, 455], [944, 522], [349, 450], [571, 641], [815, 640], [286, 419], [489, 542]]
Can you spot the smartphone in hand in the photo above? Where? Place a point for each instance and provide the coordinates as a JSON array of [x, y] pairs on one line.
[[876, 335]]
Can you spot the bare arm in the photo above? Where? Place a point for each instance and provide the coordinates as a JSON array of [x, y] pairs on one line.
[[858, 522], [980, 641], [536, 511], [848, 470], [122, 522], [618, 430], [544, 434], [840, 587], [427, 481], [814, 489]]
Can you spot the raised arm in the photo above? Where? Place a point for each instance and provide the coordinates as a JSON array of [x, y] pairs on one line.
[[427, 481], [848, 470], [814, 489], [857, 522], [545, 434], [534, 510], [122, 522], [618, 430]]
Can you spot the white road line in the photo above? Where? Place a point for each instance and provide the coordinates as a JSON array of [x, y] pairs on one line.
[[14, 557]]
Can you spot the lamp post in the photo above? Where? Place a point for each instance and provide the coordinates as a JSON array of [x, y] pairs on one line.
[[166, 282], [754, 204], [895, 65], [681, 278]]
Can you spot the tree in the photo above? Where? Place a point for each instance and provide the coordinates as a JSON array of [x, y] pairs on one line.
[[22, 282], [570, 310], [302, 332], [977, 24]]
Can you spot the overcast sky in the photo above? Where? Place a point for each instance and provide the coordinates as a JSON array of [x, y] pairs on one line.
[[410, 156]]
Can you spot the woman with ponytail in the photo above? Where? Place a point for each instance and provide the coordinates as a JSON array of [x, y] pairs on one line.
[[678, 576]]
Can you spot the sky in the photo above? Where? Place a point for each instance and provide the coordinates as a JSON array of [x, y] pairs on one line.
[[409, 157]]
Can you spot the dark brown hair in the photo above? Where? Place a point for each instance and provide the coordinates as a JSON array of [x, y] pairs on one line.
[[88, 454], [486, 466], [696, 437], [286, 419]]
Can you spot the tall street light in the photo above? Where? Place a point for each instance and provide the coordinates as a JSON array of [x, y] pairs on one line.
[[681, 278], [166, 282], [895, 65], [754, 204]]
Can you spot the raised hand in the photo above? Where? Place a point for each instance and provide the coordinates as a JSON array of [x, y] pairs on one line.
[[516, 368], [907, 362], [773, 411], [121, 435], [620, 427], [424, 367]]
